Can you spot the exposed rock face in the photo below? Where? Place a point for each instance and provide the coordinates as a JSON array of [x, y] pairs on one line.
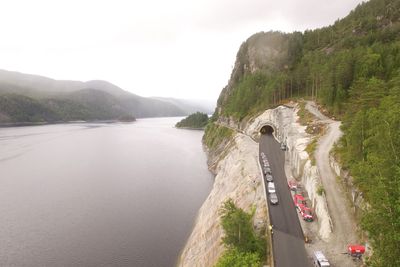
[[356, 195], [238, 177], [266, 51]]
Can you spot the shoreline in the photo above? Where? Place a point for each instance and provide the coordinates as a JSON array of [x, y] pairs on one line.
[[191, 128], [22, 124]]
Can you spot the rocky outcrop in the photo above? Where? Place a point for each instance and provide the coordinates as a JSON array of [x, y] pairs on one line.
[[238, 177], [356, 196], [263, 51]]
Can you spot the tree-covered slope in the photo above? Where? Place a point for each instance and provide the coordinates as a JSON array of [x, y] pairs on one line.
[[196, 120], [85, 104], [17, 108], [353, 68]]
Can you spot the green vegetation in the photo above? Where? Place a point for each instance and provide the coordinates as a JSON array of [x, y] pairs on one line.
[[320, 190], [305, 117], [352, 68], [370, 148], [196, 120], [244, 246], [311, 147], [252, 93], [16, 108], [82, 105], [234, 258], [215, 134]]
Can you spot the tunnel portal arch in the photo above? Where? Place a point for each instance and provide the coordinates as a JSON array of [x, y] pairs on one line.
[[267, 129]]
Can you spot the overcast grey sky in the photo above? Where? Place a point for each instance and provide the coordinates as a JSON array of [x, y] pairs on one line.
[[176, 48]]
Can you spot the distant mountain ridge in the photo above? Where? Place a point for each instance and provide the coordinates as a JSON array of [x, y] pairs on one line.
[[190, 105], [40, 99]]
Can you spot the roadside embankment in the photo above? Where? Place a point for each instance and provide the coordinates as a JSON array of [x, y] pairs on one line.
[[237, 177]]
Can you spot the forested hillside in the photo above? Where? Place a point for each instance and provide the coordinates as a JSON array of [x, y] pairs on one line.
[[196, 120], [26, 98], [85, 105], [352, 68]]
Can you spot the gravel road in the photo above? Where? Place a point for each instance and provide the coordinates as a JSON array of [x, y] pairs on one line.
[[344, 227]]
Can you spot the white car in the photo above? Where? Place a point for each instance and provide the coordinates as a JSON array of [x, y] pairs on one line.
[[273, 199], [271, 187], [320, 260]]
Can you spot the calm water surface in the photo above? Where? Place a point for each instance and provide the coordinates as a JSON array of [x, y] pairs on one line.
[[99, 194]]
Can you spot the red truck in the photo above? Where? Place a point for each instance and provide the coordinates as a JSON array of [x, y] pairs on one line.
[[306, 214], [299, 201], [356, 250]]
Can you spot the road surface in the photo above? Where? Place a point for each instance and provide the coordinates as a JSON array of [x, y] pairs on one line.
[[287, 238]]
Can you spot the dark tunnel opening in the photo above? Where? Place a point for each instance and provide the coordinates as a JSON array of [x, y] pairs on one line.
[[267, 129]]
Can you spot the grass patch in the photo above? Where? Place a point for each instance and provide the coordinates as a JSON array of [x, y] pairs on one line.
[[305, 117], [311, 147], [320, 190], [215, 134]]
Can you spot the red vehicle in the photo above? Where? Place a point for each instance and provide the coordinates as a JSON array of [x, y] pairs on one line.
[[292, 185], [307, 214], [299, 201], [356, 250]]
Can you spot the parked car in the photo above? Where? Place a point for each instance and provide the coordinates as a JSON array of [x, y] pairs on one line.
[[266, 163], [299, 201], [320, 260], [307, 214], [292, 185], [269, 178], [273, 198], [283, 146], [271, 187], [267, 170]]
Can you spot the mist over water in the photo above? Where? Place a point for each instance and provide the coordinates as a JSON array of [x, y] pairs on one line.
[[99, 194]]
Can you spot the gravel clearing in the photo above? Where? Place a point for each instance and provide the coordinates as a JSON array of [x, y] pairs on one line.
[[344, 228]]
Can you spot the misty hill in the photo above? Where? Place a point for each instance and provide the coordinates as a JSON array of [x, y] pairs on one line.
[[191, 105], [85, 104], [44, 99], [352, 68]]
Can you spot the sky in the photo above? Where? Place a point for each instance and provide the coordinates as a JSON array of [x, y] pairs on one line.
[[174, 48]]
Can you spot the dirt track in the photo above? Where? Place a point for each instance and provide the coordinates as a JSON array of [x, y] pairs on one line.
[[344, 227]]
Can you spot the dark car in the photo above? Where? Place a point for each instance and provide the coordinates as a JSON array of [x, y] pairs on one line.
[[283, 146], [267, 170], [269, 178]]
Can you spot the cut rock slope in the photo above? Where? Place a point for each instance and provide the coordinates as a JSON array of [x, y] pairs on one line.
[[238, 177]]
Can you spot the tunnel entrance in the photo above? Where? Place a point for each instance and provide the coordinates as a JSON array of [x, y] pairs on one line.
[[267, 129]]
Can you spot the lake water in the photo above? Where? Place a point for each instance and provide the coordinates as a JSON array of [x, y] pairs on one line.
[[99, 194]]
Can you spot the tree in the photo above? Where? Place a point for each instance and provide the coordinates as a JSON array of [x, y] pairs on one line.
[[234, 258], [239, 232]]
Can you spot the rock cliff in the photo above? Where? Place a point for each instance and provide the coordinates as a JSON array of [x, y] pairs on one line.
[[238, 177]]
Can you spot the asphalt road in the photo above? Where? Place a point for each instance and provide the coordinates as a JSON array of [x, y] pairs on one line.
[[287, 238]]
